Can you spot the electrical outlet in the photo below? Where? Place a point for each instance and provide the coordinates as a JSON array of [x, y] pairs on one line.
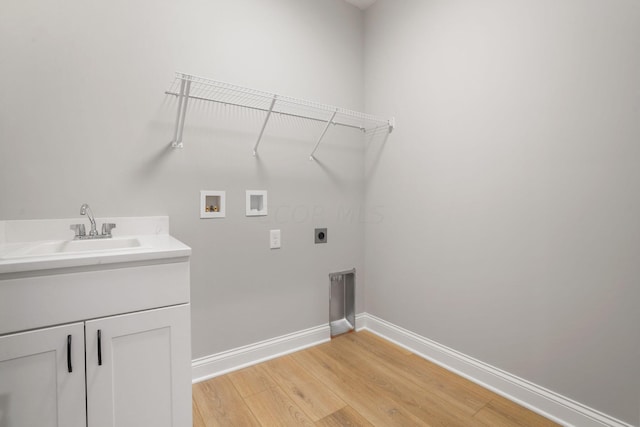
[[320, 235], [274, 239]]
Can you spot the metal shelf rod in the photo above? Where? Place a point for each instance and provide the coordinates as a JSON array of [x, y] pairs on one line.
[[326, 128], [182, 112], [264, 125], [174, 141]]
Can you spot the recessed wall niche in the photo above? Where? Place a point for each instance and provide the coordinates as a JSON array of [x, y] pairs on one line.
[[212, 204], [256, 203]]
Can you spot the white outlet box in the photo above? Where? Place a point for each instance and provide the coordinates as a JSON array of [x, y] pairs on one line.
[[256, 203], [274, 239]]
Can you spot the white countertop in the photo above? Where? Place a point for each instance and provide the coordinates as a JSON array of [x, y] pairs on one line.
[[20, 240]]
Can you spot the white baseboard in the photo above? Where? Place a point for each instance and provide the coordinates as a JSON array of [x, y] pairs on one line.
[[227, 361], [545, 402]]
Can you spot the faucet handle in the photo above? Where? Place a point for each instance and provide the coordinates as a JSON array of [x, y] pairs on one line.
[[79, 230], [106, 228]]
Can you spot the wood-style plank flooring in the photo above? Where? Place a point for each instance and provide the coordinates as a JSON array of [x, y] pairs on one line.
[[357, 379]]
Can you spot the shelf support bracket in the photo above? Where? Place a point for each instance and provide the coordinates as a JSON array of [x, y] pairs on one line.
[[322, 135], [183, 97], [264, 125]]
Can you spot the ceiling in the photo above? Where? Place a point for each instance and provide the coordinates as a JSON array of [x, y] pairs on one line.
[[362, 4]]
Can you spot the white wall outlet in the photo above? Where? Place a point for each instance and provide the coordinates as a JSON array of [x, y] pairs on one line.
[[274, 239]]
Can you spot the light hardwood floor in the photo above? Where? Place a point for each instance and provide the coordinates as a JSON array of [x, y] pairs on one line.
[[357, 379]]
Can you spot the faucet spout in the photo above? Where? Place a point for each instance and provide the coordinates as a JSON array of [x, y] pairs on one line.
[[86, 210]]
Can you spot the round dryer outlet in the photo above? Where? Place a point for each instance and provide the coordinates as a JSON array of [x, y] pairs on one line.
[[320, 235]]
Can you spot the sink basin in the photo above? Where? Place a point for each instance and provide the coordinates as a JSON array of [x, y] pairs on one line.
[[29, 247], [63, 247]]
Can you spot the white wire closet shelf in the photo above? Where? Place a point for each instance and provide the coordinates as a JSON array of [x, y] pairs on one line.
[[186, 86]]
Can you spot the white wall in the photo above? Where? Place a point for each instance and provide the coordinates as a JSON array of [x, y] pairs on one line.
[[84, 118], [511, 230]]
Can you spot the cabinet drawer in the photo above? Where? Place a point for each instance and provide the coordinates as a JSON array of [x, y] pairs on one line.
[[76, 295]]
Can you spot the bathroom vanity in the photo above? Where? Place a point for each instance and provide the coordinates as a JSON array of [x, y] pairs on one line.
[[98, 334]]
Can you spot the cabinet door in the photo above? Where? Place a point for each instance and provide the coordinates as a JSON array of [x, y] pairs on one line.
[[42, 378], [139, 369]]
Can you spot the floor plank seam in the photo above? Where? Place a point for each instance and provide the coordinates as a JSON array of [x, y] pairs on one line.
[[480, 409]]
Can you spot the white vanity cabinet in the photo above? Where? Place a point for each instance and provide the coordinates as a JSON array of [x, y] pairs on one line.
[[138, 368], [36, 387], [136, 372], [135, 377], [96, 339]]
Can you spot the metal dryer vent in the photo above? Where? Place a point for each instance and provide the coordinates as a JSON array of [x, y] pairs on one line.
[[342, 310]]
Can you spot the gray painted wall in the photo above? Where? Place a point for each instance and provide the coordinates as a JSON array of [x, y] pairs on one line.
[[502, 212], [511, 231], [84, 118]]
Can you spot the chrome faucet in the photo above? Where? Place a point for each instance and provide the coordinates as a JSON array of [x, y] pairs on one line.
[[93, 233], [86, 210]]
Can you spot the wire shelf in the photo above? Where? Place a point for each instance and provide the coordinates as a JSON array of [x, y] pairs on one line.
[[187, 86]]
